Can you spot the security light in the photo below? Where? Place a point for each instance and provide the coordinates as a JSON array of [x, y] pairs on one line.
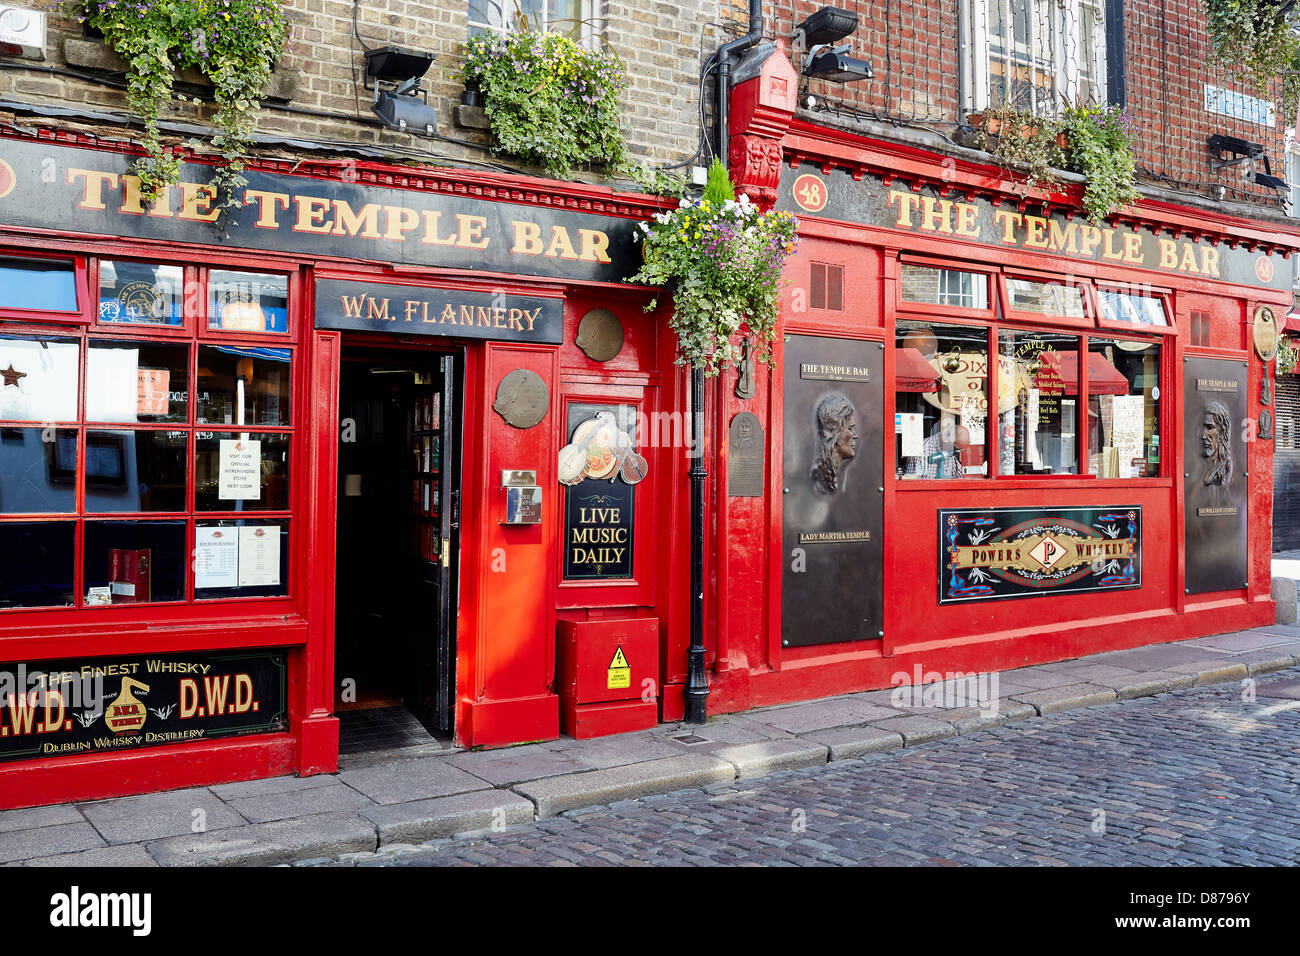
[[395, 63], [837, 66], [825, 26], [405, 105]]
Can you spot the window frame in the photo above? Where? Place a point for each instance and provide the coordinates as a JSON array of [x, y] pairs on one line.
[[977, 53], [193, 335], [1053, 320], [956, 311], [84, 313], [1165, 296], [587, 23]]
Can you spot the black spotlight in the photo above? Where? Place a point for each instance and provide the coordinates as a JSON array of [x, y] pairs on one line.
[[836, 65], [405, 105], [825, 26]]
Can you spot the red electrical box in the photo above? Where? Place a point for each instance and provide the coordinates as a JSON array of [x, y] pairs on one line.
[[609, 676]]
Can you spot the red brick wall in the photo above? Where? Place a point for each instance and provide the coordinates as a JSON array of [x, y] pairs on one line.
[[914, 50]]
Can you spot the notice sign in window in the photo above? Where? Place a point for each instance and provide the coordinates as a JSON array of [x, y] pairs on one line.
[[240, 470]]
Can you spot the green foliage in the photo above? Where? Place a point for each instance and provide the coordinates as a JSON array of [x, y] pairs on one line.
[[718, 188], [657, 181], [1023, 142], [724, 263], [551, 103], [234, 42], [1252, 37], [1101, 147], [1288, 356]]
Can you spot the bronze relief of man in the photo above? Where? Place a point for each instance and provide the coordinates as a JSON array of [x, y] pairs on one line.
[[1216, 443], [837, 440]]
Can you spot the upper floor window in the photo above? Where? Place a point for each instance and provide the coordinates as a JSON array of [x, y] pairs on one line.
[[1039, 55], [570, 17]]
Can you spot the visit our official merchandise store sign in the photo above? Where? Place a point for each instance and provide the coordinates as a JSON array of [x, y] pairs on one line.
[[990, 553], [53, 708]]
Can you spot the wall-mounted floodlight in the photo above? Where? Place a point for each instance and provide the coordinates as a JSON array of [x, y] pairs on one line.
[[406, 105], [827, 25], [837, 66]]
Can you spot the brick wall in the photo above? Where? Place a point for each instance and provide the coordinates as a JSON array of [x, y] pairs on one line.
[[662, 44], [914, 49]]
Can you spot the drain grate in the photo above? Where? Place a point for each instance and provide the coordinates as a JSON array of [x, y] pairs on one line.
[[690, 739]]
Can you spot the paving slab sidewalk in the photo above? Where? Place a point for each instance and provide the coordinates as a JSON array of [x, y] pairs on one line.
[[389, 802]]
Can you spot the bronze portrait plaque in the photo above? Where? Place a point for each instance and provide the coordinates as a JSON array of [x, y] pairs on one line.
[[1214, 468], [1265, 334], [600, 335], [522, 398], [832, 506], [746, 447]]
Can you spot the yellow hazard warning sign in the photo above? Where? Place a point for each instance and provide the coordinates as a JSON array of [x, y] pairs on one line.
[[620, 672]]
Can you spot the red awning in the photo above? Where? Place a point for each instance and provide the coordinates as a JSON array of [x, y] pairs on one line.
[[1061, 373], [912, 373], [1293, 322]]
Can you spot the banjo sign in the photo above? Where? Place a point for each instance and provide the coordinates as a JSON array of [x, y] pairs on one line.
[[1025, 552]]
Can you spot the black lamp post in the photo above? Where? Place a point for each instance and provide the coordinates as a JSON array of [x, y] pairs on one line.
[[697, 684]]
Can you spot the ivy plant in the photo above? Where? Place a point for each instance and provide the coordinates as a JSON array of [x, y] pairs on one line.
[[1288, 356], [1100, 145], [723, 260], [1024, 142], [235, 43], [1253, 37], [550, 102]]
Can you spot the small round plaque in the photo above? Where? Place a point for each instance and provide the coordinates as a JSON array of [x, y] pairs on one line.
[[522, 398], [1265, 333], [600, 335]]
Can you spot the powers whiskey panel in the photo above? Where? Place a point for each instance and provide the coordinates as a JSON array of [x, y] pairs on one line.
[[989, 553], [1214, 469], [832, 508]]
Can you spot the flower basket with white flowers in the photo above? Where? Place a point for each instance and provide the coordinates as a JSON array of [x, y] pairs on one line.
[[723, 259]]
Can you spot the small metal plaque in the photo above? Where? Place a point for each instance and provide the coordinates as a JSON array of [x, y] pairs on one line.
[[1265, 333], [517, 479], [818, 372], [600, 335], [524, 505], [1265, 425], [522, 398], [745, 454], [1215, 482]]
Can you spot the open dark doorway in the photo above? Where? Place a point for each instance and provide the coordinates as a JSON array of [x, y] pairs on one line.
[[398, 531]]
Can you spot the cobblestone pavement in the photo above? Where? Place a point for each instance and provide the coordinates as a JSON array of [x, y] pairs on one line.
[[1200, 777]]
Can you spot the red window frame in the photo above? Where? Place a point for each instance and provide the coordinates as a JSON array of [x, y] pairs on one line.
[[956, 312], [80, 268], [1164, 296], [1086, 321], [192, 334]]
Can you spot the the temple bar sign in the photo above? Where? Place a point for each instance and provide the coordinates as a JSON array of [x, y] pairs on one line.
[[68, 189], [412, 310], [836, 195]]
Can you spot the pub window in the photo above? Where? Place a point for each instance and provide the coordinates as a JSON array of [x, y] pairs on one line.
[[1123, 408], [1038, 405], [1125, 308], [1036, 297], [173, 484], [941, 400], [950, 287], [39, 285], [141, 293], [248, 302]]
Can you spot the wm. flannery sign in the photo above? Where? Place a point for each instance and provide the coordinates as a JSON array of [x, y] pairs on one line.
[[66, 189]]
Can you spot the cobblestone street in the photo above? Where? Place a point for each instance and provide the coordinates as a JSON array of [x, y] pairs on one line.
[[1194, 777]]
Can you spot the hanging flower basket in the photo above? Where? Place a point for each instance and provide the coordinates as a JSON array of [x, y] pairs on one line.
[[723, 260]]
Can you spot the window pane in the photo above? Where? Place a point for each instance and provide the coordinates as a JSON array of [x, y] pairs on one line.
[[36, 563], [1131, 308], [1046, 298], [237, 473], [967, 290], [135, 471], [260, 376], [135, 562], [248, 302], [241, 558], [136, 382], [140, 293], [38, 379], [39, 284], [1038, 385], [1123, 408], [941, 400], [38, 476]]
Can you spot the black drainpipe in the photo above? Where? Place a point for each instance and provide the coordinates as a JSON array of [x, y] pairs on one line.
[[697, 683]]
